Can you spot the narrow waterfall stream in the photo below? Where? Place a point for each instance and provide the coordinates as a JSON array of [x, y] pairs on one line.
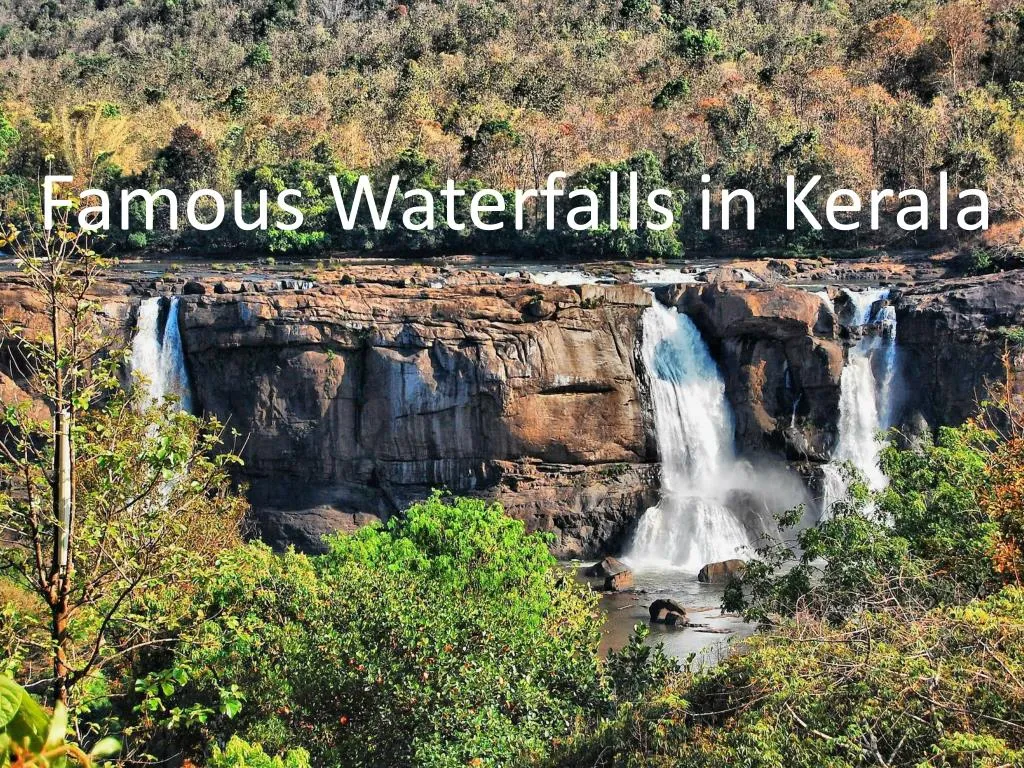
[[158, 356], [692, 524], [868, 395]]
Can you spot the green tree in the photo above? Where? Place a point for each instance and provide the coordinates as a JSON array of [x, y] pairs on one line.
[[698, 46], [621, 242], [847, 562], [673, 91], [8, 137], [102, 499], [447, 637], [188, 160], [933, 502]]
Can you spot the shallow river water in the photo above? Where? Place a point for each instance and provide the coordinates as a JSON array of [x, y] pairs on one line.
[[623, 610]]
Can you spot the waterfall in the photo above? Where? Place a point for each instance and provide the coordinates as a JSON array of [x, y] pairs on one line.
[[868, 394], [158, 356], [691, 525], [825, 299]]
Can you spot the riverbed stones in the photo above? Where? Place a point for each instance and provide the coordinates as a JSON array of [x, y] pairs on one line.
[[608, 566]]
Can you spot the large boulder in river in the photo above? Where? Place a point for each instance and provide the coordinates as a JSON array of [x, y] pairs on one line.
[[619, 581], [609, 566], [669, 612], [721, 572], [615, 573]]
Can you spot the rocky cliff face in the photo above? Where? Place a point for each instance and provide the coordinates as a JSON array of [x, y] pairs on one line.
[[956, 339], [358, 399], [779, 352]]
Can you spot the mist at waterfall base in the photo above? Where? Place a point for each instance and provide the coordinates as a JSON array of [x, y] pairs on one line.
[[714, 506], [158, 357], [871, 394]]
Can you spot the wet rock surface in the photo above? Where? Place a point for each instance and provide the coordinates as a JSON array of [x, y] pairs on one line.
[[721, 572], [667, 611]]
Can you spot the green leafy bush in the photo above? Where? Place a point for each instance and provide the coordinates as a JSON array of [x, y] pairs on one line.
[[672, 92], [8, 137], [940, 688], [448, 636], [932, 501], [239, 754], [698, 46]]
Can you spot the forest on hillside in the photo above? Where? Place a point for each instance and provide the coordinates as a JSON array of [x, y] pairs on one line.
[[267, 94]]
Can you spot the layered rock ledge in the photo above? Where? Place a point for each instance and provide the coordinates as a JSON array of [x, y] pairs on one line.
[[356, 395], [357, 399]]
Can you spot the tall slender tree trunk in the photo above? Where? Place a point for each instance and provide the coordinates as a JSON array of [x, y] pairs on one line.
[[60, 573], [59, 632]]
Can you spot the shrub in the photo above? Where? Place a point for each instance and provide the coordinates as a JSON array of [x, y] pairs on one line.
[[239, 754], [697, 46], [940, 688], [977, 261], [673, 91], [137, 241], [259, 57], [448, 636], [8, 137]]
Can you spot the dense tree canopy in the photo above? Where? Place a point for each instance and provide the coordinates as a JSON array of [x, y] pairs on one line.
[[869, 95]]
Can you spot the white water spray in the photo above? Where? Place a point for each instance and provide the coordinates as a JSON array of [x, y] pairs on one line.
[[158, 357], [566, 278], [825, 299], [692, 524]]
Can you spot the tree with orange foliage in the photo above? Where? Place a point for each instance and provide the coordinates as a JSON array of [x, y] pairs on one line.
[[960, 35], [1002, 498]]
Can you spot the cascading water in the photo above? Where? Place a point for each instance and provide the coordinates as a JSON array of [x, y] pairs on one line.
[[691, 525], [825, 299], [158, 356], [868, 394]]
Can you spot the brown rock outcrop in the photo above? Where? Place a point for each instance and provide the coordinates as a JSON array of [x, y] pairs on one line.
[[721, 572], [952, 336], [358, 398], [779, 353]]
